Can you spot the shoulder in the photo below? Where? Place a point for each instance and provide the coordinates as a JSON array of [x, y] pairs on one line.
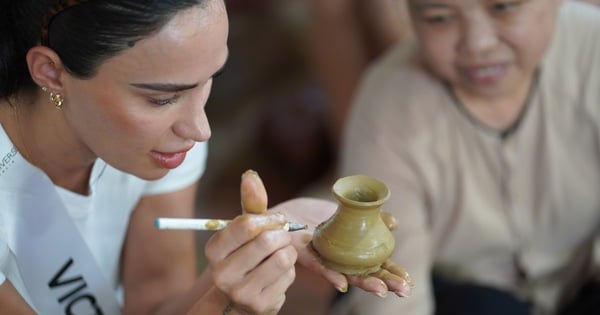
[[7, 214], [576, 40], [399, 97], [580, 13], [571, 67], [400, 71], [6, 220]]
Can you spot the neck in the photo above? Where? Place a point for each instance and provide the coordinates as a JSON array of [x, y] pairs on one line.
[[497, 115], [42, 136], [500, 113]]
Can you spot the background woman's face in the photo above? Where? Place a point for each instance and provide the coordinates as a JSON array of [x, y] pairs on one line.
[[484, 48], [146, 105]]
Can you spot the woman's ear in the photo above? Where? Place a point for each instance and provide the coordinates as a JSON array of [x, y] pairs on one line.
[[45, 67]]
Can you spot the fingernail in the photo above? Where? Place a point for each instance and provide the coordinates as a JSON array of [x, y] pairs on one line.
[[250, 171], [384, 290], [405, 291], [342, 289], [408, 280]]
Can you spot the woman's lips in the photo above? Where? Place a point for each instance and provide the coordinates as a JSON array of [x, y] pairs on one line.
[[168, 160], [485, 74]]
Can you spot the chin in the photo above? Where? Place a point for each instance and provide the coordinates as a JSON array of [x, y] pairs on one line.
[[154, 174], [486, 91]]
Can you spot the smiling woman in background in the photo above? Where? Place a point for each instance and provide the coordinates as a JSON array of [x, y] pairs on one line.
[[487, 132]]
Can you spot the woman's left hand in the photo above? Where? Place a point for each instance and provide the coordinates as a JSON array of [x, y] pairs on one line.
[[390, 277], [311, 212]]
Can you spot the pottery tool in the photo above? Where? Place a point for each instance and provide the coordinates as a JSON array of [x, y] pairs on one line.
[[209, 224]]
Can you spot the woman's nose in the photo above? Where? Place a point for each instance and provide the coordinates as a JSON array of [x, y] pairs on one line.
[[196, 127], [479, 35], [193, 123]]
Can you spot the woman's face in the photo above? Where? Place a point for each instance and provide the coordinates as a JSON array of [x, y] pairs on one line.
[[145, 107], [484, 48]]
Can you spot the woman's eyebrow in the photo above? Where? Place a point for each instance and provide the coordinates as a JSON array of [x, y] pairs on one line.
[[173, 87], [165, 87], [429, 5]]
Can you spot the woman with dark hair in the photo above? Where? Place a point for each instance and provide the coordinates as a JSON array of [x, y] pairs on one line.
[[101, 103]]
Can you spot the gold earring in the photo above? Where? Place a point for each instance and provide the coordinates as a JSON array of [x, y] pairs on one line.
[[45, 89], [56, 99]]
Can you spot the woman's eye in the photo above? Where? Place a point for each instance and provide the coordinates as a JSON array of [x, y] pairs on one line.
[[437, 16], [438, 19], [164, 101], [218, 73], [504, 6]]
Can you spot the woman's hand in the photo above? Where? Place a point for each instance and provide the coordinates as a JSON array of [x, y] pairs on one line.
[[252, 259], [314, 211], [252, 262]]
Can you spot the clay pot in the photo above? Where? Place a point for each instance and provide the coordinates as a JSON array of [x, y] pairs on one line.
[[355, 240]]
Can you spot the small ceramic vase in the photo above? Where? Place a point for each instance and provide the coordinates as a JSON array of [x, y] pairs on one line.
[[355, 240]]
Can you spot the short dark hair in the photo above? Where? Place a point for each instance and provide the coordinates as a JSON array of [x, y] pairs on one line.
[[83, 36]]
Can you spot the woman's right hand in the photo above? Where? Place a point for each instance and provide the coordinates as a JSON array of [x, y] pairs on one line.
[[252, 259], [252, 262]]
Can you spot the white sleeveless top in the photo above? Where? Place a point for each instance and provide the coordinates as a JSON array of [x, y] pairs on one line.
[[101, 217]]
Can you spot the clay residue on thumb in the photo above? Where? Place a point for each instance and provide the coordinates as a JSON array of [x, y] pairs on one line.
[[389, 220], [253, 193]]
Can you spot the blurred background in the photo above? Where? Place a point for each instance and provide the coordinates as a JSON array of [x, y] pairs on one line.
[[280, 104], [278, 107]]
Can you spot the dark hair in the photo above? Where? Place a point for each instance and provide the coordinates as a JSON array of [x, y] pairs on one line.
[[83, 35]]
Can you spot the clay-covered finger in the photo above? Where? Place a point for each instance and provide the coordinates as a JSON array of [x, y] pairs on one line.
[[397, 270], [389, 220], [308, 258], [369, 284], [395, 283], [253, 193]]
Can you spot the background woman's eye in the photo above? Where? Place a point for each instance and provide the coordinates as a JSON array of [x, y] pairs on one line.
[[437, 15], [164, 101], [438, 19], [504, 6]]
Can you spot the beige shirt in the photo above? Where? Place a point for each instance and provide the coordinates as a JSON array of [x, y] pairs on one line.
[[519, 213]]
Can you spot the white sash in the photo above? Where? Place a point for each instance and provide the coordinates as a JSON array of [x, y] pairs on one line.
[[57, 267]]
